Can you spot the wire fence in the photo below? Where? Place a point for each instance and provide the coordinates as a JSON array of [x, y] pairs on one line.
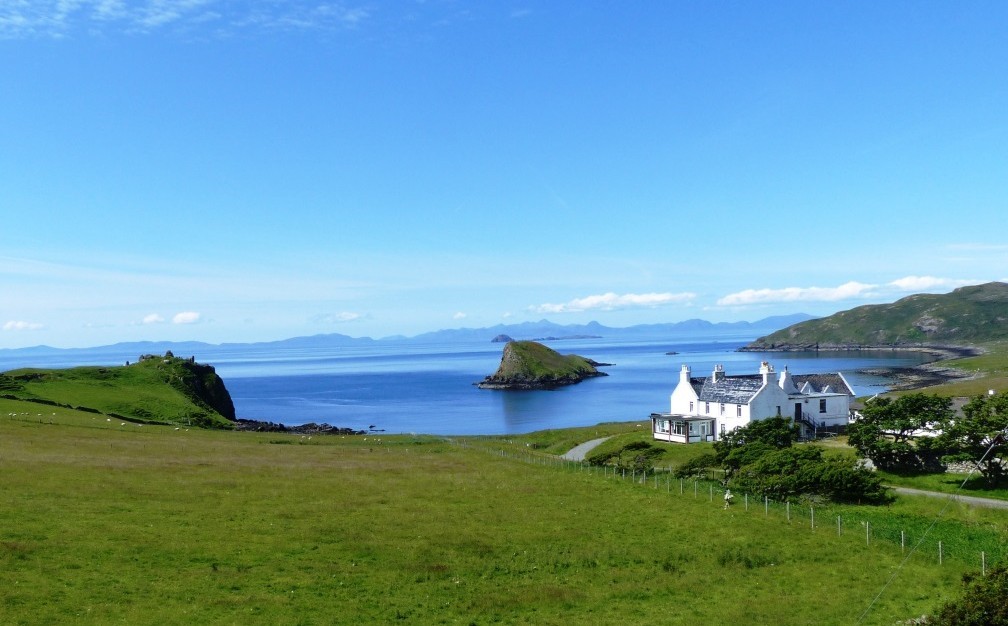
[[939, 541]]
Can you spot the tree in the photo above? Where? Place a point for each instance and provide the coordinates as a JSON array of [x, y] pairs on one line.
[[744, 445], [697, 466], [981, 604], [979, 435], [888, 431], [803, 471], [761, 458]]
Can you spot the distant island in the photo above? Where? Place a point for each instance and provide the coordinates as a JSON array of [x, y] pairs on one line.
[[529, 365], [548, 331]]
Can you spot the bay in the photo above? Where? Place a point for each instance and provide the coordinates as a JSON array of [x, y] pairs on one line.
[[416, 387], [430, 389]]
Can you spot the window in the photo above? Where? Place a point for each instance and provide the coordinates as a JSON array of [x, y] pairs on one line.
[[707, 408], [722, 408], [690, 406], [677, 428], [738, 410], [822, 405]]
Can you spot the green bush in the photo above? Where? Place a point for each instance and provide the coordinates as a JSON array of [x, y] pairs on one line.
[[983, 602], [802, 472], [697, 466], [635, 456]]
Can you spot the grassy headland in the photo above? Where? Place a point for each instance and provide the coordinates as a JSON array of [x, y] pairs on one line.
[[967, 316], [153, 390]]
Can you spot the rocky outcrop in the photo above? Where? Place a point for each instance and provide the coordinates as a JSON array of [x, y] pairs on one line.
[[528, 365], [501, 339]]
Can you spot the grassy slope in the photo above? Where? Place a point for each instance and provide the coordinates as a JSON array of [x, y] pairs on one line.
[[147, 391], [145, 524], [968, 315], [530, 360]]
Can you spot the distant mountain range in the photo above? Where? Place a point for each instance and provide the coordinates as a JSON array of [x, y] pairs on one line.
[[968, 315], [527, 330]]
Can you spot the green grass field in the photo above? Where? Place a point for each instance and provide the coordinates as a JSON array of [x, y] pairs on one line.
[[111, 522]]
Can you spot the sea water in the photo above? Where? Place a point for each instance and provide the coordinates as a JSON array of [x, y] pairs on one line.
[[410, 387], [430, 389]]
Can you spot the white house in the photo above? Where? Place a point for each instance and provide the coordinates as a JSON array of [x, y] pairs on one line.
[[704, 409]]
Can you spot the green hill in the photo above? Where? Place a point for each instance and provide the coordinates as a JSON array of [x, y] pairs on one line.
[[155, 389], [968, 315], [531, 365]]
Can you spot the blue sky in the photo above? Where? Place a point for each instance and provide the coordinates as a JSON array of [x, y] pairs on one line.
[[227, 170]]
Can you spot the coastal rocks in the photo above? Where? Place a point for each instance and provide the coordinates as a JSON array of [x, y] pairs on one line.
[[528, 365], [310, 428]]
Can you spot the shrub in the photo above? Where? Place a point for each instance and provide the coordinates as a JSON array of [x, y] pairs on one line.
[[697, 466], [803, 472], [981, 604]]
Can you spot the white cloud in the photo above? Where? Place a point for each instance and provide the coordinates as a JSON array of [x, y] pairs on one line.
[[926, 283], [57, 18], [19, 325], [153, 318], [186, 317], [852, 289], [459, 316], [611, 301], [336, 318], [847, 291]]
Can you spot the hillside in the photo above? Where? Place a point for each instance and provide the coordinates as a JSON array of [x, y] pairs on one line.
[[968, 315], [531, 365], [155, 389]]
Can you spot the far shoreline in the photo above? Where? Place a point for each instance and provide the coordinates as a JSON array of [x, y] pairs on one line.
[[927, 374]]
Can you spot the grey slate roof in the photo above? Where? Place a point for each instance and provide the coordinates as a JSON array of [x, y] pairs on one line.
[[741, 389], [819, 382], [729, 389]]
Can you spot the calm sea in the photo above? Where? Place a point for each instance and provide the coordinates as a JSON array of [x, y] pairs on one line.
[[428, 388]]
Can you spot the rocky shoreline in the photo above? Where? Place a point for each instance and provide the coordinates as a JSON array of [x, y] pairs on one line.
[[927, 374], [310, 428]]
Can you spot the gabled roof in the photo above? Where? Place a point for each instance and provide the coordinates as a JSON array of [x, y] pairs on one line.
[[822, 383], [727, 389]]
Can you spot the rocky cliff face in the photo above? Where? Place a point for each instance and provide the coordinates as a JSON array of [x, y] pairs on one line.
[[206, 387], [196, 381], [529, 365]]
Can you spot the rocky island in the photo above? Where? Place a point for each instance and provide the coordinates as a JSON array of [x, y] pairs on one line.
[[527, 365]]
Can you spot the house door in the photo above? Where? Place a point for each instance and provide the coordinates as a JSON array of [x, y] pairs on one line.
[[797, 412]]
